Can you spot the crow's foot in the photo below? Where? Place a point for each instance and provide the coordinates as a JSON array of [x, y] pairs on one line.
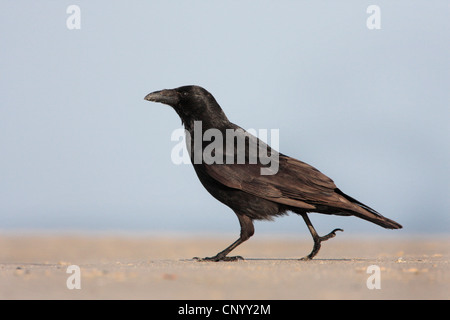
[[219, 258], [317, 244]]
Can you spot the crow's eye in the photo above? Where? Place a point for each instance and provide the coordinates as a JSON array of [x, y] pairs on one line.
[[185, 94]]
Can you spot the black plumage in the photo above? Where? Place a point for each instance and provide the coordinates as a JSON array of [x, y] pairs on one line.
[[292, 185]]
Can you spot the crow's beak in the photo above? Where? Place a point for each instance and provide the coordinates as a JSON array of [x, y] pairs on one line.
[[169, 97]]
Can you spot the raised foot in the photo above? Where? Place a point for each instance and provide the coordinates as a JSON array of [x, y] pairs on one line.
[[218, 258], [332, 234], [317, 244]]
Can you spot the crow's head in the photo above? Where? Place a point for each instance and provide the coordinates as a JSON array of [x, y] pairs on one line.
[[181, 97], [191, 103]]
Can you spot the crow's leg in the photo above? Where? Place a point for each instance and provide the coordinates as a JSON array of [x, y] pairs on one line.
[[247, 230], [317, 239]]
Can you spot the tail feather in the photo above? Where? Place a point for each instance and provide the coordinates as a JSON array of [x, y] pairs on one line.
[[369, 214]]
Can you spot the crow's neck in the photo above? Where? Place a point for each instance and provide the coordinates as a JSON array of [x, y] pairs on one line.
[[220, 123]]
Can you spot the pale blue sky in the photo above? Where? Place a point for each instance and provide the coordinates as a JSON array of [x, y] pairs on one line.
[[81, 149]]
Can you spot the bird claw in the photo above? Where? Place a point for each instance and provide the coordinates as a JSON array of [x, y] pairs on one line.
[[305, 258], [317, 244], [332, 234], [218, 258]]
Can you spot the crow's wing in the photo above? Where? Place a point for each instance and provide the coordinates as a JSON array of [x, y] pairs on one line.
[[295, 183]]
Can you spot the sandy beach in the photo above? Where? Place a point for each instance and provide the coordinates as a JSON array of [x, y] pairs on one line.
[[161, 267]]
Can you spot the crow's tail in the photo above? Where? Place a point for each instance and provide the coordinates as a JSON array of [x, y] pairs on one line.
[[367, 213]]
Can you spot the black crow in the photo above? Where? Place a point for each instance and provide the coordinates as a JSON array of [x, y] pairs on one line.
[[235, 175]]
